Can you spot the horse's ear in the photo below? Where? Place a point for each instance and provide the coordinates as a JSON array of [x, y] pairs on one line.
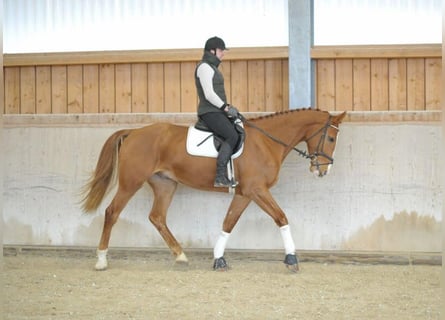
[[339, 118]]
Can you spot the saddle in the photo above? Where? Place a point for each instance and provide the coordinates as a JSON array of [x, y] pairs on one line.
[[201, 141]]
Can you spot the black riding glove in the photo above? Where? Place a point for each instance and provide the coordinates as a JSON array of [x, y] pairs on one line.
[[232, 112]]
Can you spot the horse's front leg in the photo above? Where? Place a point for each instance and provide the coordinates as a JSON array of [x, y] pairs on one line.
[[237, 207], [265, 201]]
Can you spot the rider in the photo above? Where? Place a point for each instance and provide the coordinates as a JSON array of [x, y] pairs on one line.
[[213, 108]]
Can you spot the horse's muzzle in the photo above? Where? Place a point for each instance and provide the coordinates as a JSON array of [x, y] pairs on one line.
[[318, 173], [319, 170]]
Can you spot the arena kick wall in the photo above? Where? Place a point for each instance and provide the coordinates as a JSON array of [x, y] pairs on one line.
[[384, 192]]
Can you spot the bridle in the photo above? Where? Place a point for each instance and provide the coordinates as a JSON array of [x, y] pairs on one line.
[[320, 146], [312, 156]]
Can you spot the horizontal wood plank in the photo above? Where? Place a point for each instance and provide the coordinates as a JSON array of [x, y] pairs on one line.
[[126, 120], [137, 56], [377, 51], [249, 53]]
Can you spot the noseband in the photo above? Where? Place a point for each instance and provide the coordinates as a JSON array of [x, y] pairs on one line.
[[319, 150], [312, 156]]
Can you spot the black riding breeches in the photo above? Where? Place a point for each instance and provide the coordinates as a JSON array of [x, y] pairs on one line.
[[221, 126]]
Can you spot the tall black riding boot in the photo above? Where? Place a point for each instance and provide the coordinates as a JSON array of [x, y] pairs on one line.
[[221, 180]]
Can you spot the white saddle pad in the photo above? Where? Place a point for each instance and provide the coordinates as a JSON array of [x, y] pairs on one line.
[[200, 143]]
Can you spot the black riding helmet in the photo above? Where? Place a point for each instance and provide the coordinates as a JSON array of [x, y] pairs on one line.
[[215, 43]]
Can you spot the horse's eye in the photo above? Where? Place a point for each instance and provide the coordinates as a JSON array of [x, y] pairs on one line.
[[331, 139]]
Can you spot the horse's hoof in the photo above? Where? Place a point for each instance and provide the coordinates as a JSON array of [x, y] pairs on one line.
[[182, 263], [101, 266], [293, 268], [220, 264], [291, 263], [182, 259]]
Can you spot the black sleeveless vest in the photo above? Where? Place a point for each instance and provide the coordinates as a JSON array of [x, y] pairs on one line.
[[205, 106]]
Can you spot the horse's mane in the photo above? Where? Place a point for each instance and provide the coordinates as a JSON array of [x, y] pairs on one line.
[[286, 112]]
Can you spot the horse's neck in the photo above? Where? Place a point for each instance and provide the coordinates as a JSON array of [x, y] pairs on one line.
[[291, 128]]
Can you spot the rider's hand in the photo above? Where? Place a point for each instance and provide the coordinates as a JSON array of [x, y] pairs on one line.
[[232, 112]]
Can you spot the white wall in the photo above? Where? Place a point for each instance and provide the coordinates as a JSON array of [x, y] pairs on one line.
[[354, 22], [384, 193], [94, 25]]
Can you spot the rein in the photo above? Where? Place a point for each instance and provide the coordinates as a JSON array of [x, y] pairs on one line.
[[304, 154]]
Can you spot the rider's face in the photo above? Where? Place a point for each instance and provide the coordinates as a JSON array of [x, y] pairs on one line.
[[219, 53]]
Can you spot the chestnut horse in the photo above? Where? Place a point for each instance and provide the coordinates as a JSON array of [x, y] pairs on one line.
[[156, 154]]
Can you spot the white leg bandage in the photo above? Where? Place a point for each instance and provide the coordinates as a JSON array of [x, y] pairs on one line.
[[220, 245], [289, 245], [102, 262]]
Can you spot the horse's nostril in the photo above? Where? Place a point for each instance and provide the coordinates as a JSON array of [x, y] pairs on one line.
[[322, 173]]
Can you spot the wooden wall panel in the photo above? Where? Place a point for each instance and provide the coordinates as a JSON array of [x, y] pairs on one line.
[[91, 88], [415, 86], [139, 88], [239, 95], [343, 84], [107, 88], [273, 86], [59, 80], [325, 75], [75, 89], [255, 80], [172, 87], [285, 82], [12, 90], [375, 78], [43, 89], [397, 84], [379, 85], [400, 77], [123, 88], [361, 84], [189, 98], [433, 81], [28, 90], [156, 95]]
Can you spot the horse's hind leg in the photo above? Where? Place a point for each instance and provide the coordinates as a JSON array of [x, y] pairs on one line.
[[164, 189], [111, 215]]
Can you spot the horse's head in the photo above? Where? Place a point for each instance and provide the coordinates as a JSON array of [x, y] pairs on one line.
[[321, 144]]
